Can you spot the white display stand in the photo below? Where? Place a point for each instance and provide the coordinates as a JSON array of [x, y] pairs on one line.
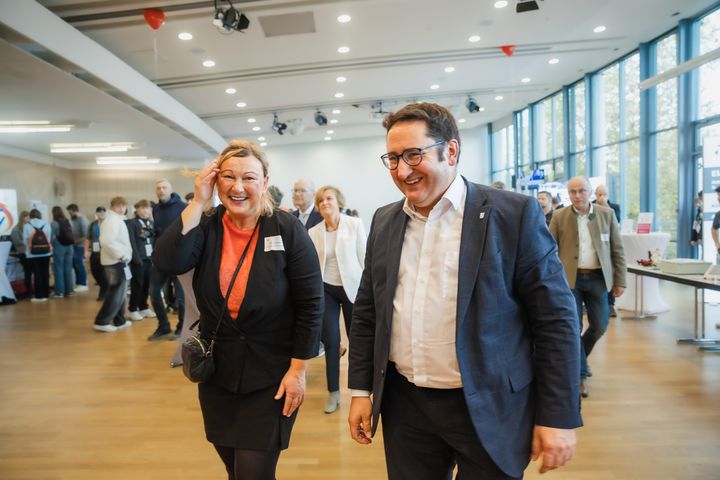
[[636, 247], [5, 287]]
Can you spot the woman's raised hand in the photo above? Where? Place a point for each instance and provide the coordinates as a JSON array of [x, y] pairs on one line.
[[205, 182]]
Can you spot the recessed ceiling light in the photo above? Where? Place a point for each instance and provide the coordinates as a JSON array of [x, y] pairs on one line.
[[341, 79], [261, 139], [185, 36], [474, 39], [482, 109], [256, 129], [599, 29], [501, 4], [343, 49], [554, 61], [339, 95], [334, 121], [230, 91], [208, 64], [241, 104], [330, 132], [449, 69], [327, 139], [336, 111], [525, 80], [434, 86], [90, 147], [344, 18], [252, 120], [462, 120], [263, 144], [32, 126], [499, 97]]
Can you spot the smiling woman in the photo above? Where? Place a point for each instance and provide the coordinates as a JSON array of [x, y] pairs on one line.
[[267, 296]]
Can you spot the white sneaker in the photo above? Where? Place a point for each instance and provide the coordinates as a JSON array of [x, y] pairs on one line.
[[44, 299], [81, 288], [127, 324], [135, 316], [147, 313], [321, 350], [332, 402], [105, 328]]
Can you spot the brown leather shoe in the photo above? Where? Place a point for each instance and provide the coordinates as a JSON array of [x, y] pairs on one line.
[[584, 388], [343, 350]]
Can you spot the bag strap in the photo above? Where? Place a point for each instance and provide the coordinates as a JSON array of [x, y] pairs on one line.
[[229, 290]]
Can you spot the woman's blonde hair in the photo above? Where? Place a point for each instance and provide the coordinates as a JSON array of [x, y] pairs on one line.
[[246, 148], [338, 195]]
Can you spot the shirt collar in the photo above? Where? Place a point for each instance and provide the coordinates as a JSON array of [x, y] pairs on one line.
[[309, 210], [590, 212], [454, 195]]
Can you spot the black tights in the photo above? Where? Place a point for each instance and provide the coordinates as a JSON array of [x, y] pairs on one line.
[[248, 464]]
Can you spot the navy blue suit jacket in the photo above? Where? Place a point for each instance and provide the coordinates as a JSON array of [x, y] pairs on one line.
[[517, 339], [313, 219]]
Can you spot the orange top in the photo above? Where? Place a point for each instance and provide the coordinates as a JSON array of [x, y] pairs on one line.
[[234, 242]]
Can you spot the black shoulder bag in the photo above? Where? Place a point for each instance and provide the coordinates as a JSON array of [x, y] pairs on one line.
[[197, 352]]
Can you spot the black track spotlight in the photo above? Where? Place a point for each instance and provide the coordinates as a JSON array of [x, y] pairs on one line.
[[526, 6], [472, 105], [320, 119], [230, 19], [278, 126]]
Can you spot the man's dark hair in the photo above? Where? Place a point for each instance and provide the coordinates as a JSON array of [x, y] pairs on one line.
[[717, 189], [35, 213], [73, 208], [440, 123], [100, 209], [545, 192]]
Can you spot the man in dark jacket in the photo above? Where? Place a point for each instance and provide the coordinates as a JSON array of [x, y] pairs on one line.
[[602, 197], [165, 212]]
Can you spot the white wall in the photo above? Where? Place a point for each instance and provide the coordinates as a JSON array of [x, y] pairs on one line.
[[354, 167]]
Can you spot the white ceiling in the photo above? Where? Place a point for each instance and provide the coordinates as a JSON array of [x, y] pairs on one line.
[[398, 48]]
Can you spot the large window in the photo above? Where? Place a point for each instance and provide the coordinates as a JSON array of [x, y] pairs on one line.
[[503, 161], [665, 143], [577, 127], [551, 136], [709, 76]]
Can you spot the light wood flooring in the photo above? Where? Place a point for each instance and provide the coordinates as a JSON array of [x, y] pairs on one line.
[[78, 404]]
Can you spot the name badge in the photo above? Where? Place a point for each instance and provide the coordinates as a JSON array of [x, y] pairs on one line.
[[274, 243], [148, 249], [96, 247], [605, 237]]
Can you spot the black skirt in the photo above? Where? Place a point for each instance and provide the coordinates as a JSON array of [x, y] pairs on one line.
[[250, 421]]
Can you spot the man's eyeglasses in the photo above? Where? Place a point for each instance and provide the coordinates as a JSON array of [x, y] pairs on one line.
[[411, 156], [299, 191]]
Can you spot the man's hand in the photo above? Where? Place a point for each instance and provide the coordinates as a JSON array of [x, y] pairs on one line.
[[556, 445], [360, 419], [617, 291]]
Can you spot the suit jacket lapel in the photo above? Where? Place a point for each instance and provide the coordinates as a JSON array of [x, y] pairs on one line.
[[394, 250], [472, 245]]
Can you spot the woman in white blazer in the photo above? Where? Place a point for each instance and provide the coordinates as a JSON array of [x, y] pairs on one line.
[[340, 244]]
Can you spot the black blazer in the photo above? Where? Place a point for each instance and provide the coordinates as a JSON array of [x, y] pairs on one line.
[[312, 220], [281, 315], [517, 338]]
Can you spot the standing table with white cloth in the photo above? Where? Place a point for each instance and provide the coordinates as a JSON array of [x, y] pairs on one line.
[[5, 287], [637, 246]]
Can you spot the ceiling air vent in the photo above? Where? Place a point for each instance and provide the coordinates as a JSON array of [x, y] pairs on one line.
[[287, 24]]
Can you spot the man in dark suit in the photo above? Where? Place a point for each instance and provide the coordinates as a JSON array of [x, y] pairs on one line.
[[464, 330], [602, 197], [303, 198]]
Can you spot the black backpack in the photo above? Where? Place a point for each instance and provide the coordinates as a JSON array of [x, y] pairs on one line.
[[39, 244], [65, 234]]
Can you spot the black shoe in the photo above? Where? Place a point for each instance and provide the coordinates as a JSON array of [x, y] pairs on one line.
[[613, 313], [584, 388], [159, 335]]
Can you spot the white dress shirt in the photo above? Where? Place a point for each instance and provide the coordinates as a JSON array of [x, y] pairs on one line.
[[587, 256], [422, 341], [306, 214]]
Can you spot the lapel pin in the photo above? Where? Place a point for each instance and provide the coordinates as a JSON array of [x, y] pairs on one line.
[[482, 215]]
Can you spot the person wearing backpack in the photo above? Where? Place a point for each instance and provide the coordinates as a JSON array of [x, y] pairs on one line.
[[36, 236], [62, 245]]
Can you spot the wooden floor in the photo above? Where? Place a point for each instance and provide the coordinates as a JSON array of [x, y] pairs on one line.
[[77, 404]]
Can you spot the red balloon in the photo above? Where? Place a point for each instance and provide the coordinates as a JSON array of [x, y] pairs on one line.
[[508, 50], [154, 17]]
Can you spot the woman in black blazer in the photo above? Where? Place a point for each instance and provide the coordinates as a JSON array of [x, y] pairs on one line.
[[273, 318]]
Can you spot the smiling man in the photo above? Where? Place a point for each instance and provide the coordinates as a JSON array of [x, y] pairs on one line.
[[464, 336]]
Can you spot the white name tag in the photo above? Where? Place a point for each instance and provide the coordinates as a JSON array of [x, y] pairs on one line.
[[605, 237], [148, 249], [96, 247], [274, 244]]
